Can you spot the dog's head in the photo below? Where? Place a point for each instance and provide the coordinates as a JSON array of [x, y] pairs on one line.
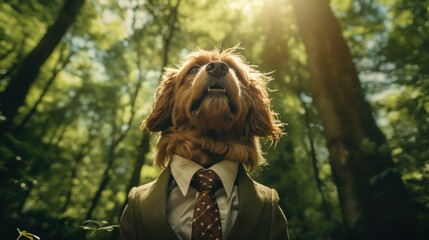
[[214, 95]]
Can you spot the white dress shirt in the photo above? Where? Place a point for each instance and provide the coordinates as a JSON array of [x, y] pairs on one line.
[[181, 197]]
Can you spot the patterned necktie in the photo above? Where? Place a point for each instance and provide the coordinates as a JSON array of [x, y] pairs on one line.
[[206, 222]]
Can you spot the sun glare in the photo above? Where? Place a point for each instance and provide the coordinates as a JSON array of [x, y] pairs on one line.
[[247, 7]]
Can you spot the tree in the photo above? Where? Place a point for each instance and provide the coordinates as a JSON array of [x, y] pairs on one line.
[[63, 60], [118, 134], [82, 105], [16, 91], [373, 198]]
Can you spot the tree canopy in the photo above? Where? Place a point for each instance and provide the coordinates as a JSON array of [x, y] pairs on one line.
[[70, 144]]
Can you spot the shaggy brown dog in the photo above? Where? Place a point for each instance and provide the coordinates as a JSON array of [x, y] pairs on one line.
[[213, 107]]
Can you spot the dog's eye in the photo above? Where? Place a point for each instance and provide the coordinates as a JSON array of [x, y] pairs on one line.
[[194, 69]]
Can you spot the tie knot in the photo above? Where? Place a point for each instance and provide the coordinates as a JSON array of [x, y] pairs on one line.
[[206, 180]]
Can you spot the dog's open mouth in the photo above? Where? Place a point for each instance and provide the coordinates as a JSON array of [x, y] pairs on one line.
[[216, 89]]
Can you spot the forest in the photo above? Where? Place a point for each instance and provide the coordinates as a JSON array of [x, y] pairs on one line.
[[350, 80]]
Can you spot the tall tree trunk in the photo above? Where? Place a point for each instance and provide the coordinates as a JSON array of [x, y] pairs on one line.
[[16, 91], [62, 62], [372, 196]]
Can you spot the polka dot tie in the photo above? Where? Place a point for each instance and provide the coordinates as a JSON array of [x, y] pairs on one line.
[[206, 223]]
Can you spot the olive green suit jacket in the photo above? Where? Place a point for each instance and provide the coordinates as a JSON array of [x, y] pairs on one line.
[[259, 215]]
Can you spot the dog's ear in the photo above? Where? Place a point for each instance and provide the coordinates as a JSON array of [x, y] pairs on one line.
[[263, 122], [160, 116]]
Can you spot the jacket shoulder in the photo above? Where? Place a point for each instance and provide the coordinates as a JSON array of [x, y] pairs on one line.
[[266, 193], [141, 192], [277, 219]]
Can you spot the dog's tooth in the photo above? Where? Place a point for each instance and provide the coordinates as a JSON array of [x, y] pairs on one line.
[[209, 89], [195, 113]]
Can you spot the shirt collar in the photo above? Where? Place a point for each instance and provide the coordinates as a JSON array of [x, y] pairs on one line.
[[184, 169]]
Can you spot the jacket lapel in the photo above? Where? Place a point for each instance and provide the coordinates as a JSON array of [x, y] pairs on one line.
[[154, 208], [249, 209]]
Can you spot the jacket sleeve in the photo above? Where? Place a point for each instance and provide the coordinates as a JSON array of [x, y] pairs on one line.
[[278, 229], [127, 223]]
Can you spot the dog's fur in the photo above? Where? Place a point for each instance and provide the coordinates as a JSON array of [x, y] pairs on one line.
[[211, 126]]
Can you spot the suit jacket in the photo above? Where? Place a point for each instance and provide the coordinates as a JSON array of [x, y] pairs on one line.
[[259, 215]]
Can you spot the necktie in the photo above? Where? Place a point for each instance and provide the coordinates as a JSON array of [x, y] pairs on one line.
[[206, 222]]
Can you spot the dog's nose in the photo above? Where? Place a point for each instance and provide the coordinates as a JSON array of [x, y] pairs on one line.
[[217, 68]]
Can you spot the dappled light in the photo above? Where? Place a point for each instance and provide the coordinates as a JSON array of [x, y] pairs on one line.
[[350, 81]]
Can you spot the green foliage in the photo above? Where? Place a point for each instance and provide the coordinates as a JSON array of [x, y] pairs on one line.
[[109, 66], [95, 226], [27, 235]]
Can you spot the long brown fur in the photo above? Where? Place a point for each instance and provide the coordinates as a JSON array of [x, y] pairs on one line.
[[208, 128]]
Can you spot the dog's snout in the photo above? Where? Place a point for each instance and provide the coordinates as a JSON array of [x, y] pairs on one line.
[[217, 68]]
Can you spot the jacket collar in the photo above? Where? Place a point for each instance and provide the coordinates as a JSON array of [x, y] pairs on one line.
[[154, 209], [249, 209], [184, 169]]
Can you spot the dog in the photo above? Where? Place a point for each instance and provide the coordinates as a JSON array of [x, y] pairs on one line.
[[210, 113], [215, 106]]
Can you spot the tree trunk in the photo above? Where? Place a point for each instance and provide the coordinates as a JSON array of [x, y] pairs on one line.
[[62, 62], [16, 91], [372, 196]]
